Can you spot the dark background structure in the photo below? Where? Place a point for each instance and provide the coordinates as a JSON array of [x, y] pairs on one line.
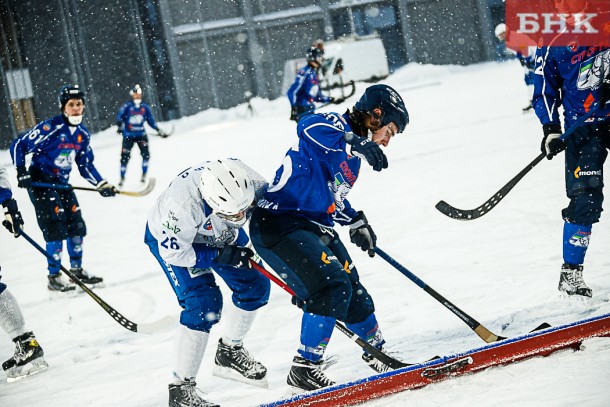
[[192, 55]]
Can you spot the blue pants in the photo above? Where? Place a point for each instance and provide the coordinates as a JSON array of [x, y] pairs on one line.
[[586, 152], [314, 263], [199, 295]]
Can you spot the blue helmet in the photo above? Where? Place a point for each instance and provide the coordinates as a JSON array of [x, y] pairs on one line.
[[315, 54], [388, 101], [68, 92], [136, 90]]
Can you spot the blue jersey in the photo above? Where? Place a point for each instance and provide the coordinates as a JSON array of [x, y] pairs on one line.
[[576, 71], [306, 89], [317, 173], [133, 118], [55, 146]]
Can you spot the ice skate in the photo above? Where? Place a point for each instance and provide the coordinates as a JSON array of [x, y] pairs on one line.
[[235, 363], [28, 359], [571, 282], [121, 182], [185, 395], [57, 282], [143, 178], [86, 278], [307, 375]]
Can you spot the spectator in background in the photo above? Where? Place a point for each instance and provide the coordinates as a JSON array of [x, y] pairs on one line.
[[525, 55]]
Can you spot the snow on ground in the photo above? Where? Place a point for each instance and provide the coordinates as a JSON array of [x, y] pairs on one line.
[[467, 138]]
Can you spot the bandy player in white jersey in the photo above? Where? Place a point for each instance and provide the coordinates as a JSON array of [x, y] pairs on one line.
[[195, 231]]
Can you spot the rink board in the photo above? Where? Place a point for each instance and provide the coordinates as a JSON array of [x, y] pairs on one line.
[[539, 343]]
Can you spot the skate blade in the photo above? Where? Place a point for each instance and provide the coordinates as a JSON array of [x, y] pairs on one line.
[[19, 372], [575, 298], [228, 373], [92, 286]]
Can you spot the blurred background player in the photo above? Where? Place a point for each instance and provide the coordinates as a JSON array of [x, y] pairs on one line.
[[130, 122], [305, 90], [292, 228], [195, 230], [525, 55], [55, 144], [28, 358]]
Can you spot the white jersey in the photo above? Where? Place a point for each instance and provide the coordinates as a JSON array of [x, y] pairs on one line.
[[5, 187], [180, 217], [4, 179]]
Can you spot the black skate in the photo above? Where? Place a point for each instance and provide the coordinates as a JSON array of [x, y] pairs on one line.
[[235, 363], [185, 395], [307, 375], [143, 178], [85, 277], [121, 182], [572, 283], [375, 364], [57, 282], [28, 359]]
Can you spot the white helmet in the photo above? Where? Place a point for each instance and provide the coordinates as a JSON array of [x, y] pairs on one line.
[[500, 29], [227, 189]]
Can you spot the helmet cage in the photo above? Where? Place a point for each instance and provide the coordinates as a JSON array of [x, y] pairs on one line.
[[227, 189]]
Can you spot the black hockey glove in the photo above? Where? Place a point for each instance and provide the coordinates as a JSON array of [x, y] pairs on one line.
[[24, 179], [365, 148], [361, 233], [162, 134], [120, 127], [235, 256], [551, 144], [297, 301], [13, 221], [105, 189], [294, 113]]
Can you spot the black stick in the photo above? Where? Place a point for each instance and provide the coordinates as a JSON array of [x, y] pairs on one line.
[[479, 329], [145, 191], [367, 347], [471, 214], [118, 317]]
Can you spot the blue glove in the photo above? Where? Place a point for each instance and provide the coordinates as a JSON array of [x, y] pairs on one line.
[[364, 148]]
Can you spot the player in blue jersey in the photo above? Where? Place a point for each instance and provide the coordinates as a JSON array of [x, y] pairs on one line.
[[292, 228], [54, 145], [573, 77], [305, 90], [130, 122], [28, 358], [525, 55]]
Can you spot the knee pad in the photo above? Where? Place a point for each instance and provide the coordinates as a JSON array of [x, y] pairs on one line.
[[201, 309], [76, 225], [54, 231], [145, 154], [585, 208], [125, 156], [361, 305], [333, 300], [255, 294]]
